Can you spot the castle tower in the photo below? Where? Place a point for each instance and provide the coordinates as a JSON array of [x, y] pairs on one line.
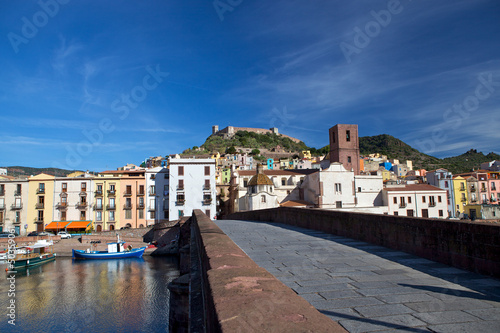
[[344, 146], [215, 129]]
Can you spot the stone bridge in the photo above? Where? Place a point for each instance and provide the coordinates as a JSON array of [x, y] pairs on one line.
[[300, 270]]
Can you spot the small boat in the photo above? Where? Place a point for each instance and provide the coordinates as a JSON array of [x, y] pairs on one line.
[[115, 250], [4, 255], [36, 254]]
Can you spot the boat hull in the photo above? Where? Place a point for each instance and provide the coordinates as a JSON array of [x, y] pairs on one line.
[[135, 253], [34, 261]]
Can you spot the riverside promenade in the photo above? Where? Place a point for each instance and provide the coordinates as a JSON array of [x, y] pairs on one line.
[[370, 288]]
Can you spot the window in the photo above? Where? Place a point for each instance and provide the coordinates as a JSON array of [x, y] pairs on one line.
[[41, 187], [425, 213], [180, 186], [423, 198], [338, 204], [98, 216], [141, 213], [395, 200], [152, 190], [493, 186], [180, 198], [181, 170], [84, 187], [181, 213], [112, 188], [207, 171], [439, 198], [409, 201], [64, 187], [396, 213], [111, 203], [207, 197], [359, 189], [409, 212], [262, 198], [165, 190], [283, 181], [165, 214], [402, 202], [128, 189], [152, 215], [98, 203], [348, 135], [83, 215], [207, 183], [440, 213], [338, 187], [432, 201], [348, 159], [19, 189], [141, 189], [128, 214], [128, 203], [445, 184], [245, 182], [63, 216], [18, 217], [333, 137], [111, 215]]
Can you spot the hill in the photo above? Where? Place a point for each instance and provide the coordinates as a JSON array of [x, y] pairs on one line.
[[467, 161], [246, 139], [20, 171]]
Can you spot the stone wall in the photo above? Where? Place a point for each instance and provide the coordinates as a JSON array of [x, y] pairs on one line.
[[474, 246]]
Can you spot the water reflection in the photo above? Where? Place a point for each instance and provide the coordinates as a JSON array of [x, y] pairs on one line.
[[126, 295]]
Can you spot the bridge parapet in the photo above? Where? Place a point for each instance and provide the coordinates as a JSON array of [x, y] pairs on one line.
[[237, 295], [473, 246]]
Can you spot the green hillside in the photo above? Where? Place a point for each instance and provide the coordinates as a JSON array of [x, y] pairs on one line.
[[245, 139]]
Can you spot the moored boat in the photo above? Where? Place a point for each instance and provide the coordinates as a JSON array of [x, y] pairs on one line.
[[36, 254], [116, 250]]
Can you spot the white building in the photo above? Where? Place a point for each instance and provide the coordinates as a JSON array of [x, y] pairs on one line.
[[260, 193], [73, 198], [191, 186], [419, 200], [157, 195], [14, 205]]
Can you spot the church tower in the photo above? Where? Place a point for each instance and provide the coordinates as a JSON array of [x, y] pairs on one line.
[[344, 146]]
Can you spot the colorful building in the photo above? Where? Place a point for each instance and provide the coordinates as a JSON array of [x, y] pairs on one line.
[[460, 194], [40, 202]]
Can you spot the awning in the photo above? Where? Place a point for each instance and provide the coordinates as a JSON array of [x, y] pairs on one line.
[[57, 225], [79, 225]]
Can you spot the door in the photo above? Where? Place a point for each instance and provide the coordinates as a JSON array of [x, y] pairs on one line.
[[39, 227], [473, 215], [425, 213]]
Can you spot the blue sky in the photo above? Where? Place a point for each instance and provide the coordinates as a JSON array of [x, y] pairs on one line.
[[98, 84]]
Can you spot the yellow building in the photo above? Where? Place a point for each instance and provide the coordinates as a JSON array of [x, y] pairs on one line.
[[107, 201], [40, 201], [460, 194], [305, 154], [386, 175]]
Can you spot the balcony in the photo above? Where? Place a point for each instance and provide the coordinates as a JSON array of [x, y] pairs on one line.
[[432, 204], [18, 193], [473, 189], [206, 187], [180, 202], [98, 207], [98, 193], [152, 193], [39, 205], [207, 202], [38, 220], [81, 205], [111, 192], [140, 194], [402, 205], [464, 200], [127, 194], [462, 189], [127, 206], [62, 205], [152, 209], [180, 188], [16, 206], [40, 191], [110, 207], [483, 189], [140, 205]]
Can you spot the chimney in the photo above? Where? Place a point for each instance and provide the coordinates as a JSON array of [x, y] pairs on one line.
[[260, 168]]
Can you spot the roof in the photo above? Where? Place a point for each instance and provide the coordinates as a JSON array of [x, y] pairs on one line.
[[414, 187], [296, 203], [117, 172], [260, 179]]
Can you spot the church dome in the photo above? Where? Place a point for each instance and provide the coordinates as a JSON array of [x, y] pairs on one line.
[[260, 178]]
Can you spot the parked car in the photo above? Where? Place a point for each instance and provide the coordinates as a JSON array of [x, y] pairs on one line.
[[44, 233], [63, 234], [4, 235], [33, 233]]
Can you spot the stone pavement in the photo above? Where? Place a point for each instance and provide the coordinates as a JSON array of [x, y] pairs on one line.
[[369, 288]]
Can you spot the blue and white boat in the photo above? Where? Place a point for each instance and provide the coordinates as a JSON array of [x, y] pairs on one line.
[[115, 250]]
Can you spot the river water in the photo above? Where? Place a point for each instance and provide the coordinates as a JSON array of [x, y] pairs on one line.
[[67, 295]]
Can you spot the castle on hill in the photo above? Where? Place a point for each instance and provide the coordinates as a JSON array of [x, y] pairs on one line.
[[230, 131]]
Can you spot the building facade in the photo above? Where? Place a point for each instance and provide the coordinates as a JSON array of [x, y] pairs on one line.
[[191, 186], [13, 205], [418, 200], [344, 146], [40, 202]]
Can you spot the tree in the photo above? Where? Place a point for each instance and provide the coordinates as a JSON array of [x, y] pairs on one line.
[[255, 152], [231, 150]]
